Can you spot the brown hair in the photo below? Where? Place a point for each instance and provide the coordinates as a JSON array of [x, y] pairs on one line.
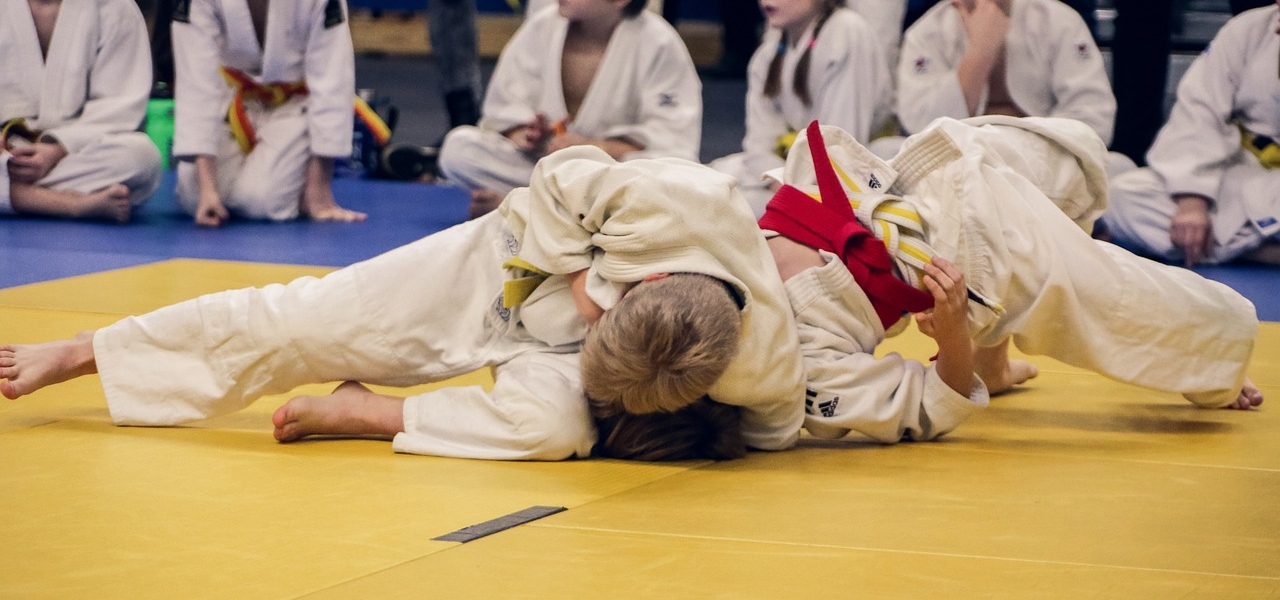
[[800, 83], [704, 429], [663, 345], [634, 8]]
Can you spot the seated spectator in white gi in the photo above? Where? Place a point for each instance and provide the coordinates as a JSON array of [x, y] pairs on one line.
[[70, 106], [262, 107], [600, 72], [1209, 192], [1021, 58], [818, 60]]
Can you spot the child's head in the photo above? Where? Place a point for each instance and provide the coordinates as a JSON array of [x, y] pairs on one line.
[[704, 429], [663, 345], [589, 10], [792, 17]]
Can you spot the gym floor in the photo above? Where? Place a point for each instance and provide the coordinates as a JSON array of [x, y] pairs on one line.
[[1072, 486]]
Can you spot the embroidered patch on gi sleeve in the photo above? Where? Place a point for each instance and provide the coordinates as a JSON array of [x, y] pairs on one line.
[[333, 15], [182, 11]]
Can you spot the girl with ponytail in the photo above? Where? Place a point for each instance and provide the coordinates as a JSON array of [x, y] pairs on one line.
[[818, 60]]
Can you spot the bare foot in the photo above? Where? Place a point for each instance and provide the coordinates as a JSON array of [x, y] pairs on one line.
[[1250, 396], [110, 203], [352, 409], [25, 369], [998, 371], [483, 202], [320, 206]]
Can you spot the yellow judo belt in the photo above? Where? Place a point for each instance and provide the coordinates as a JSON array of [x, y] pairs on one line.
[[275, 94], [16, 128], [518, 289], [1264, 148]]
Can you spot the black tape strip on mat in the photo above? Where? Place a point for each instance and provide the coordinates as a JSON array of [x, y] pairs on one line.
[[475, 532]]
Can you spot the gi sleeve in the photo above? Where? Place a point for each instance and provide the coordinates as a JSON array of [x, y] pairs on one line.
[[201, 96], [928, 84], [517, 80], [668, 122], [331, 80], [1193, 148], [119, 81], [849, 389], [1081, 89], [853, 90]]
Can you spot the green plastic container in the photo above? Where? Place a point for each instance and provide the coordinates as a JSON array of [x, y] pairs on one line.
[[159, 127]]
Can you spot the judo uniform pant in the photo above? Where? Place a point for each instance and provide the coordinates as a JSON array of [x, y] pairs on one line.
[[129, 158], [476, 159], [1142, 211], [421, 313], [267, 182], [1087, 303]]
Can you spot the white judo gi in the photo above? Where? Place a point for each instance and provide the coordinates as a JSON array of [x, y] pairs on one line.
[[645, 90], [849, 83], [1009, 200], [90, 94], [886, 18], [1198, 151], [1053, 68], [305, 40], [434, 309]]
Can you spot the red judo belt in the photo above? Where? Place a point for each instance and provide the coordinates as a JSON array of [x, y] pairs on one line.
[[830, 224]]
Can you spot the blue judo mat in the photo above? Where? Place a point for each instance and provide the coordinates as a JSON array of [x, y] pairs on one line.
[[38, 249], [35, 249]]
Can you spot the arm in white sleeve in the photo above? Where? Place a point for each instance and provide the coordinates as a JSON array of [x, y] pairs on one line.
[[512, 95], [331, 83], [119, 80], [851, 77], [1193, 148], [1081, 88], [669, 121], [200, 93], [849, 389], [928, 83], [536, 411]]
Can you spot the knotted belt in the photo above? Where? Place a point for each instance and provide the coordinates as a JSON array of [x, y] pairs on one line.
[[828, 222], [269, 94], [16, 128], [275, 94], [1263, 147]]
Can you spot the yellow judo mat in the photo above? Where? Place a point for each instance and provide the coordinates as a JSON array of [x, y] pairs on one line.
[[1072, 487]]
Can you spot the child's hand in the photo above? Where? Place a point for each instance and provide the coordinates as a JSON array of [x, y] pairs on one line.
[[1192, 227], [949, 319], [532, 137], [565, 140], [587, 308], [209, 210], [30, 164], [948, 324]]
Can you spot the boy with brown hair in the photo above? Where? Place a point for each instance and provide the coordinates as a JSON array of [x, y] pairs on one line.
[[515, 290]]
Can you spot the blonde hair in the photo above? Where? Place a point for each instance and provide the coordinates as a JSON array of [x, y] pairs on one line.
[[663, 345], [800, 82], [704, 429]]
